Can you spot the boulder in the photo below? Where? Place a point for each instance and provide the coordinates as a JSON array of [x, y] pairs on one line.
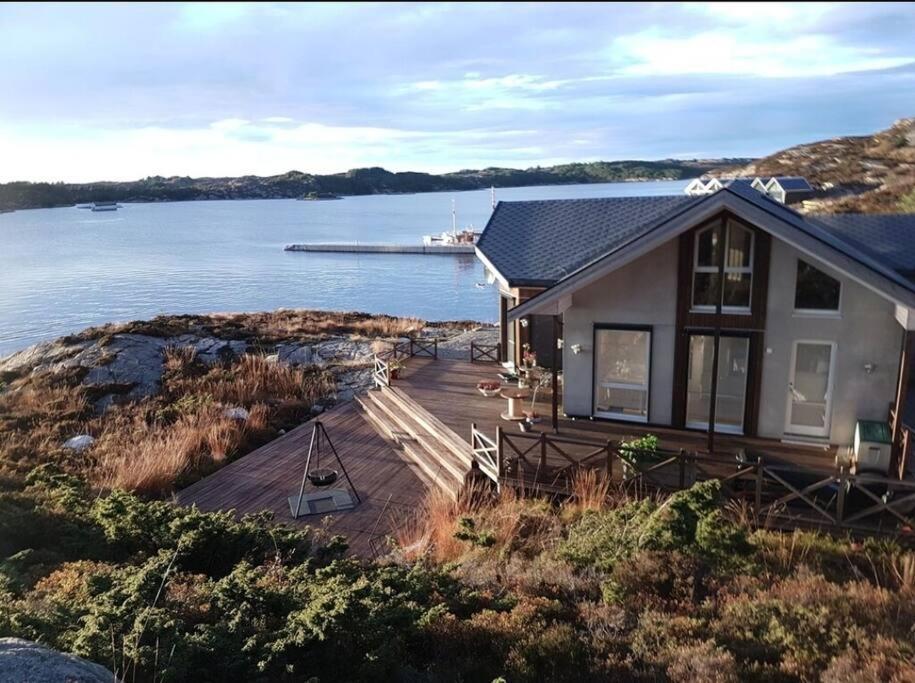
[[294, 354], [22, 661], [79, 443], [236, 413]]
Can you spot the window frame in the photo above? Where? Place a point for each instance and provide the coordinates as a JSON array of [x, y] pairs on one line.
[[602, 415], [727, 224], [816, 312]]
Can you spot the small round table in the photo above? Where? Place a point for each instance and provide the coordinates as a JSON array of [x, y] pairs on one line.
[[515, 400]]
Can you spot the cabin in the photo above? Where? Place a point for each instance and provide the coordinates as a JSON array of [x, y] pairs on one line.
[[789, 189], [728, 314]]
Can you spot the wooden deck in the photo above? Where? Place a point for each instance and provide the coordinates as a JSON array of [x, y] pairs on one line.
[[448, 389], [388, 484]]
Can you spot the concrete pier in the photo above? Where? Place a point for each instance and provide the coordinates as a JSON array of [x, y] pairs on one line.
[[437, 249]]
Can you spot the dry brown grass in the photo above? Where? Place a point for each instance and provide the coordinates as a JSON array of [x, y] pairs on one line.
[[155, 445], [266, 327], [150, 458], [591, 489]]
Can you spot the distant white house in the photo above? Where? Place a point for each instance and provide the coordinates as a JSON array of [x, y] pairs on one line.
[[784, 189], [759, 184], [697, 187], [789, 189]]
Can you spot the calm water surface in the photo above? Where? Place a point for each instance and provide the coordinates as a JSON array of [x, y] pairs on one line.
[[64, 269]]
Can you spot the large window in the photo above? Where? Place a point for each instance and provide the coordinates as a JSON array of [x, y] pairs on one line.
[[731, 388], [621, 373], [816, 292], [738, 269]]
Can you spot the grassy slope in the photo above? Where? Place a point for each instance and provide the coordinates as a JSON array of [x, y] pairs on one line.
[[869, 174]]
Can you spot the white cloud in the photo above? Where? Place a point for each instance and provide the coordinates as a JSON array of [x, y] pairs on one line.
[[650, 53]]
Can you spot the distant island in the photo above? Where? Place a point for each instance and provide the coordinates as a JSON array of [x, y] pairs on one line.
[[358, 181]]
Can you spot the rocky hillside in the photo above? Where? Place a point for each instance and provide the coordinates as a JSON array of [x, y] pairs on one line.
[[867, 173]]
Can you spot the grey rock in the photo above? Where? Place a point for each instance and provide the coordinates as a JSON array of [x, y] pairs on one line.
[[79, 443], [317, 409], [22, 661], [294, 354], [236, 413]]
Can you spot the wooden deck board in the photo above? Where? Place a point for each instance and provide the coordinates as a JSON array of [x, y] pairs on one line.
[[448, 389], [262, 480]]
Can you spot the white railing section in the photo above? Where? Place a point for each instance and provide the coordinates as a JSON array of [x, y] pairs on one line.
[[485, 452]]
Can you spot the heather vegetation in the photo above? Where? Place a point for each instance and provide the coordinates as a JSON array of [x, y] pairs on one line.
[[527, 590]]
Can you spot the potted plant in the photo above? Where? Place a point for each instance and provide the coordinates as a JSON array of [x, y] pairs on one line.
[[638, 454], [395, 366], [489, 388], [538, 381]]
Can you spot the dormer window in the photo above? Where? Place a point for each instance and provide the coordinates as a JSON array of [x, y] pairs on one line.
[[738, 269]]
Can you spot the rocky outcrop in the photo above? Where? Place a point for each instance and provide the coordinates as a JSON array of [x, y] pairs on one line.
[[129, 366], [22, 661]]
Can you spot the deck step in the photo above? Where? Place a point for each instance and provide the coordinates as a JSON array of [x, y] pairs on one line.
[[410, 423], [431, 424], [429, 464]]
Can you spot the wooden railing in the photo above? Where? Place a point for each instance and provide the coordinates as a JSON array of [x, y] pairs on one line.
[[424, 346], [386, 362], [775, 493], [486, 452], [381, 372], [491, 353]]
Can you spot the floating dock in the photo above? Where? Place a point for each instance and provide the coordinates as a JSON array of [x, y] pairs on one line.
[[437, 249]]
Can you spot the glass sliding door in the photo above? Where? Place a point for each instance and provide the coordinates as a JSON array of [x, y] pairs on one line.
[[810, 388], [621, 373], [733, 357]]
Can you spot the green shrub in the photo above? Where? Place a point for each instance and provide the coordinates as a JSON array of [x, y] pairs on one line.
[[688, 521]]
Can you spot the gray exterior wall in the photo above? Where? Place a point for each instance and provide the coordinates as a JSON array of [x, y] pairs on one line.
[[865, 331], [643, 292]]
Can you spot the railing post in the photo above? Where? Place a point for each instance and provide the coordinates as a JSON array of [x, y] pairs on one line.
[[541, 465], [759, 483], [471, 350], [500, 462], [840, 499], [682, 460], [435, 348], [609, 448]]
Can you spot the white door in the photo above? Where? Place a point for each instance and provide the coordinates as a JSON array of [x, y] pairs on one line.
[[810, 388]]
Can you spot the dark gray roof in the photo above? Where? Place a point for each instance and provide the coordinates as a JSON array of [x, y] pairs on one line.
[[816, 227], [888, 238], [537, 243], [793, 183]]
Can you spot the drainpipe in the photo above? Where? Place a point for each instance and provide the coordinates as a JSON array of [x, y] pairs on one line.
[[555, 372]]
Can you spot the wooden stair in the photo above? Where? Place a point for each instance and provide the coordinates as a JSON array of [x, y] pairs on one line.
[[442, 457]]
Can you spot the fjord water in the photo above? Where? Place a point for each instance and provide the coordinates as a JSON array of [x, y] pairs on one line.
[[64, 269]]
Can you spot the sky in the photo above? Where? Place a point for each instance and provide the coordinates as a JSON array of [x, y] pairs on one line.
[[123, 91]]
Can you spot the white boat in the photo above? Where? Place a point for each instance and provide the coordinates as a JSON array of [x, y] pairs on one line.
[[454, 237], [105, 206]]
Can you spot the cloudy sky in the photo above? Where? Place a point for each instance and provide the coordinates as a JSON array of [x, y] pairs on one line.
[[91, 92]]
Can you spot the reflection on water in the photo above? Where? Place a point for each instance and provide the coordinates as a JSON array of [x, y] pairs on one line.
[[63, 269]]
